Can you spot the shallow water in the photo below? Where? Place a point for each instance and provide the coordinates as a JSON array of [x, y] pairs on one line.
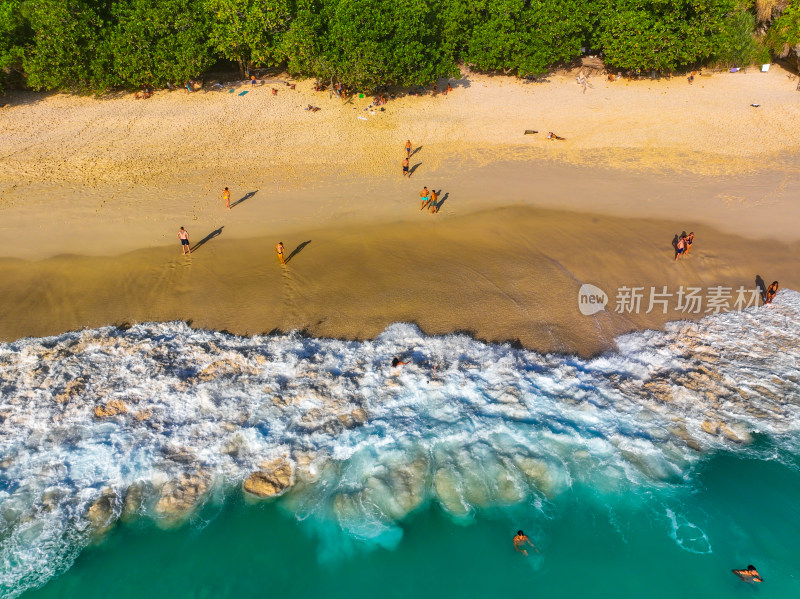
[[591, 546], [402, 476]]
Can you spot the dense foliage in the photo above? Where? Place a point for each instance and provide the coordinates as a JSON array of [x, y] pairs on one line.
[[100, 44]]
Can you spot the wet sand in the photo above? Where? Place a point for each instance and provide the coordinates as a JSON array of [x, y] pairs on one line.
[[510, 274]]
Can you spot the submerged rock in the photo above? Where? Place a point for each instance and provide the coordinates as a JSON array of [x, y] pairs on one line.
[[112, 408], [102, 513], [272, 480], [180, 496]]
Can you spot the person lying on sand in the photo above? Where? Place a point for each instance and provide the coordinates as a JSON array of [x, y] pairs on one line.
[[274, 92], [749, 575], [551, 135], [312, 108]]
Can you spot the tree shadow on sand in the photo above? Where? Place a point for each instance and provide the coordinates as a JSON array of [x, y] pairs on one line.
[[207, 238], [297, 250]]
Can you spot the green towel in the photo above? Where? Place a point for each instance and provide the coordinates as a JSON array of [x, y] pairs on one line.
[[244, 92]]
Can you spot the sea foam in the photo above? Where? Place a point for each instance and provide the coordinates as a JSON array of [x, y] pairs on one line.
[[156, 420]]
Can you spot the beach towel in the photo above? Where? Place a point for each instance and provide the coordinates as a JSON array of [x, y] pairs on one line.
[[244, 92], [764, 68], [231, 90]]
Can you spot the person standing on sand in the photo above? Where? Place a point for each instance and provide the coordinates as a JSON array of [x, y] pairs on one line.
[[680, 248], [183, 235], [432, 202], [408, 148], [425, 195], [279, 251], [226, 195], [405, 168], [689, 242]]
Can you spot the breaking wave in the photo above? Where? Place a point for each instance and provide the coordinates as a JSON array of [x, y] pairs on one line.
[[158, 419]]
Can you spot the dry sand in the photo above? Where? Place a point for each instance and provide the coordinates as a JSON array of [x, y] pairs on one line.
[[524, 223]]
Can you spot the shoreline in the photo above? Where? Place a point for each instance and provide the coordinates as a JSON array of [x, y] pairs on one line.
[[505, 275]]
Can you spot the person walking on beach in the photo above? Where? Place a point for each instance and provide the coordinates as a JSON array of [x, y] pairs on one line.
[[689, 241], [680, 247], [405, 168], [772, 291], [279, 251], [183, 235], [520, 539], [408, 148], [226, 195], [425, 195], [434, 208]]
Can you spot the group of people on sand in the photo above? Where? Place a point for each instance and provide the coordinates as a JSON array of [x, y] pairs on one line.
[[430, 200], [684, 244]]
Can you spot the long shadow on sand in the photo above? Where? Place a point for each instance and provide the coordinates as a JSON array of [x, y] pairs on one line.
[[207, 238], [297, 250], [244, 198]]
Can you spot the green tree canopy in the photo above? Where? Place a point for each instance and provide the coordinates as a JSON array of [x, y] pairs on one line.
[[69, 49], [784, 35], [159, 41], [15, 34], [249, 31], [661, 35], [367, 43], [526, 36]]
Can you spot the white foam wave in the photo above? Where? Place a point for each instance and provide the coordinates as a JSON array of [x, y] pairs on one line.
[[466, 424]]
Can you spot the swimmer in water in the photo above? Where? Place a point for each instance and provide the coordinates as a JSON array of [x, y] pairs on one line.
[[520, 539], [749, 575], [396, 362]]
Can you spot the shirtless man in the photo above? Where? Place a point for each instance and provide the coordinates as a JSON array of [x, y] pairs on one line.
[[279, 251], [680, 248], [425, 195], [226, 195], [405, 168], [183, 235], [749, 575], [408, 148], [520, 539], [432, 203]]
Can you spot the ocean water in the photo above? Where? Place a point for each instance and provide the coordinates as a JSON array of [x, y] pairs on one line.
[[654, 469]]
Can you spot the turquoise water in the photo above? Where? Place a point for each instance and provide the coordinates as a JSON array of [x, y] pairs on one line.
[[650, 471], [591, 546]]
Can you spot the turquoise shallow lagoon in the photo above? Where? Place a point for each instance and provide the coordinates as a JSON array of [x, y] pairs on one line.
[[738, 511]]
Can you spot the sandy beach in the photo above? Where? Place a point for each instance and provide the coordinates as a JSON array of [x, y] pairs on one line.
[[92, 193]]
